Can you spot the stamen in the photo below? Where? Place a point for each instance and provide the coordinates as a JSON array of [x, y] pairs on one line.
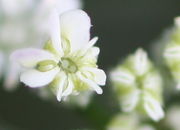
[[46, 65]]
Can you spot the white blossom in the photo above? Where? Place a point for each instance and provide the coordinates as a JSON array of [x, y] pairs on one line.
[[24, 24], [138, 86], [172, 52], [68, 62]]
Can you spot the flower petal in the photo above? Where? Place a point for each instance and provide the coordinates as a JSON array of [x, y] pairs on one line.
[[141, 64], [69, 88], [30, 57], [54, 27], [99, 75], [130, 100], [34, 78], [177, 21], [88, 48], [153, 108], [60, 84], [66, 5], [95, 51], [123, 76], [75, 27], [172, 52], [90, 43], [91, 84], [153, 81]]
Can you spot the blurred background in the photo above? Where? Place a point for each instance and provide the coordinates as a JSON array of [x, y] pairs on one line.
[[122, 26]]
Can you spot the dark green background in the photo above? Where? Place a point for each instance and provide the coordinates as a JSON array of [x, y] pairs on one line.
[[122, 26]]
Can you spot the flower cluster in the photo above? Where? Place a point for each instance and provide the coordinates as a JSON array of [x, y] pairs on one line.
[[64, 62], [138, 85], [68, 62], [172, 52]]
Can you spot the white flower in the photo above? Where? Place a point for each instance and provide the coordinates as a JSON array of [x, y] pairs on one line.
[[24, 24], [138, 85], [16, 8], [172, 52], [13, 8], [82, 100], [68, 63]]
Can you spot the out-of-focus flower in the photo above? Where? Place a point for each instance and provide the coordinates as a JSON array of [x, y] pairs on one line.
[[24, 24], [68, 5], [138, 85], [80, 100], [68, 63], [18, 8], [173, 117], [172, 52], [127, 122], [14, 8]]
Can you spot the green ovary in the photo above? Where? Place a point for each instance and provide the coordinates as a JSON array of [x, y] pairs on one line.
[[68, 65]]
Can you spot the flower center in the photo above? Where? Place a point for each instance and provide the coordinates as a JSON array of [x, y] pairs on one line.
[[68, 65]]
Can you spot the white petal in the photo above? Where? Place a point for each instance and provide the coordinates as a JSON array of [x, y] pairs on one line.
[[153, 81], [34, 78], [153, 108], [55, 32], [91, 43], [30, 57], [99, 75], [123, 76], [75, 27], [95, 51], [66, 5], [141, 62], [172, 52], [61, 85], [130, 100], [177, 21], [90, 53], [69, 88], [91, 84]]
